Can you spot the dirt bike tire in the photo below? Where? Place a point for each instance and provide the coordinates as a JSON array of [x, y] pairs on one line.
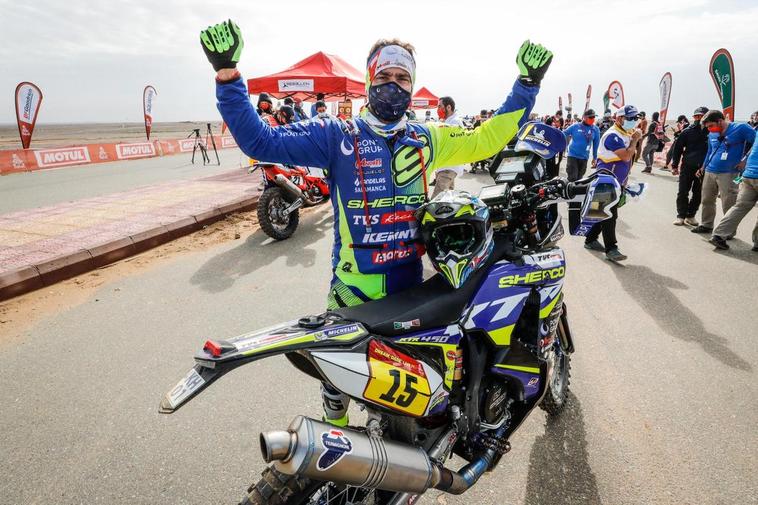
[[553, 403], [277, 488], [267, 199]]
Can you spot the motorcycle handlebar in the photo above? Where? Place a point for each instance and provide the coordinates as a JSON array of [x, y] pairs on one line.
[[574, 189]]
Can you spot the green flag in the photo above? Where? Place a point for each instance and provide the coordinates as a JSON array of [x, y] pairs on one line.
[[722, 73]]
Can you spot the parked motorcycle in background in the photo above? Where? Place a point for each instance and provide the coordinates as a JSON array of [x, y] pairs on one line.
[[439, 371], [285, 190]]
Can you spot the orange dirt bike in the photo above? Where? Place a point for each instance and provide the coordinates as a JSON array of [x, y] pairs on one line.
[[286, 190]]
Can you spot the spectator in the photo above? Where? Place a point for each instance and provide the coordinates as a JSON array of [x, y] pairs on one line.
[[319, 107], [445, 178], [427, 116], [606, 122], [481, 119], [616, 151], [559, 123], [582, 137], [300, 114], [648, 153], [319, 98], [689, 152], [727, 145], [265, 105], [643, 128], [746, 200], [681, 124], [285, 115], [754, 120]]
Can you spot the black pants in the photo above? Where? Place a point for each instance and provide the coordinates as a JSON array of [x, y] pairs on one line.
[[608, 229], [688, 181], [551, 167], [575, 168]]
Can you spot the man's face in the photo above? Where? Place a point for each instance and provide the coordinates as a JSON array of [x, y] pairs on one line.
[[321, 110], [697, 117], [714, 126], [397, 75], [265, 106], [281, 118]]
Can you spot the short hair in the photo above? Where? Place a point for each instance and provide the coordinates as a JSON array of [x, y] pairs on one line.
[[288, 101], [446, 100], [712, 116], [320, 103], [391, 42]]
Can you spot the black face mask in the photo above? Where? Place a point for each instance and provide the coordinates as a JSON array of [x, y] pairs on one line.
[[388, 101]]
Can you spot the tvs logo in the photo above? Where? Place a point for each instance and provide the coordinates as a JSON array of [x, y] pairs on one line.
[[136, 150], [336, 445], [48, 158]]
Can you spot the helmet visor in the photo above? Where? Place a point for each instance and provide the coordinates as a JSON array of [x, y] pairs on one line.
[[459, 238]]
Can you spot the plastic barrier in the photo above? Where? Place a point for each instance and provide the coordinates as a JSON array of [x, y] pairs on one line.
[[26, 160]]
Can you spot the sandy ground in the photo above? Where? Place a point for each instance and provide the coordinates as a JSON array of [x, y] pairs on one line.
[[51, 135], [21, 312]]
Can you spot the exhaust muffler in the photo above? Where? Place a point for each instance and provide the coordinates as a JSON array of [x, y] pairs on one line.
[[345, 456], [292, 189], [321, 451]]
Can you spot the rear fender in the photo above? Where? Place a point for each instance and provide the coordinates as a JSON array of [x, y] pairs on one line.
[[219, 357]]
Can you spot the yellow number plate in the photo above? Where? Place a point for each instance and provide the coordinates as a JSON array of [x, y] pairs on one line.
[[397, 381]]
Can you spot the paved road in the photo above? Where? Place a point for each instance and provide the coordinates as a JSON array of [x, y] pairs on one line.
[[49, 187], [663, 407]]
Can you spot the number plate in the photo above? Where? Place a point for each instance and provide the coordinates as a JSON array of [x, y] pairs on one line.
[[188, 385], [397, 381]]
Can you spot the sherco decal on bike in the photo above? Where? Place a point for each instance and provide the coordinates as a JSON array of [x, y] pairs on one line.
[[440, 371]]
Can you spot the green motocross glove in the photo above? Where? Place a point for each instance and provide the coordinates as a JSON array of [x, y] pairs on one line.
[[222, 44], [532, 61]]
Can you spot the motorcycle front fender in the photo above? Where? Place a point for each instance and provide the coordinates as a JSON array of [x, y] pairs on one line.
[[219, 357]]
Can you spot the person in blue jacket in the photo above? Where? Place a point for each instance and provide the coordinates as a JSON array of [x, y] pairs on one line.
[[582, 138], [728, 145], [378, 164]]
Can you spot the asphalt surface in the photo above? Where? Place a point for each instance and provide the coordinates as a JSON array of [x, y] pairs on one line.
[[40, 188], [662, 411]]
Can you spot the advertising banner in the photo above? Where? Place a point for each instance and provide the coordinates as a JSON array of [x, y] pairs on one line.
[[589, 94], [345, 109], [148, 96], [570, 105], [560, 103], [665, 89], [616, 94], [28, 101], [722, 73]]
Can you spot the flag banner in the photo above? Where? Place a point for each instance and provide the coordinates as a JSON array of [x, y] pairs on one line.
[[28, 101], [665, 89], [223, 127], [589, 94], [606, 101], [570, 106], [616, 94], [148, 94], [560, 103], [722, 73]]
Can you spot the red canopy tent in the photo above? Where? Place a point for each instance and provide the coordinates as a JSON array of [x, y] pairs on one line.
[[424, 99], [318, 73]]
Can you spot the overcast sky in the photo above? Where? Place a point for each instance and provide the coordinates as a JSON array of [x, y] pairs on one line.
[[92, 59]]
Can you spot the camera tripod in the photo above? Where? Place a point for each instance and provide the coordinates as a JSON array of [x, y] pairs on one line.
[[202, 145]]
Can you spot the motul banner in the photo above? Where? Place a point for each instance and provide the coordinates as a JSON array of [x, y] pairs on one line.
[[587, 101], [148, 94], [722, 73], [665, 89], [616, 94], [28, 101]]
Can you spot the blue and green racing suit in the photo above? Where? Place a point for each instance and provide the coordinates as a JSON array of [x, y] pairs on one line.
[[376, 182]]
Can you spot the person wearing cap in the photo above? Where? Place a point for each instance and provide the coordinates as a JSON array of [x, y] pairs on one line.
[[265, 105], [445, 178], [687, 156], [617, 148], [728, 144], [747, 198], [583, 139], [378, 163]]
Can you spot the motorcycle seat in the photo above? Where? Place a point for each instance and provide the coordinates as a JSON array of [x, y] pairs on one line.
[[431, 304]]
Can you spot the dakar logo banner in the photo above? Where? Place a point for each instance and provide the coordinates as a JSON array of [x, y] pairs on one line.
[[589, 94], [148, 96], [616, 94], [28, 101], [665, 88], [722, 73]]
